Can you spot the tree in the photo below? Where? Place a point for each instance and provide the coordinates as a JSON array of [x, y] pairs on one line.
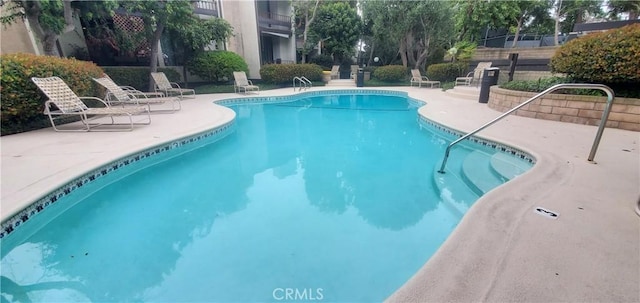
[[339, 26], [571, 12], [474, 16], [528, 9], [418, 29], [631, 7], [157, 16], [305, 12]]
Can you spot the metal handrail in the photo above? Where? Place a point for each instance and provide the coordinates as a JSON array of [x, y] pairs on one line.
[[596, 142], [299, 80], [303, 81], [307, 82]]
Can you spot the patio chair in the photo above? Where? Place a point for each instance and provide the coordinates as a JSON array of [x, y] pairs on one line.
[[241, 83], [335, 72], [130, 96], [162, 84], [354, 71], [474, 76], [416, 77], [68, 104]]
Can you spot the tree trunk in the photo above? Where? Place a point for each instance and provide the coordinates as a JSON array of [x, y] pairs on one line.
[[49, 44], [403, 51], [557, 26], [515, 38], [373, 44], [305, 33], [424, 54], [153, 57]]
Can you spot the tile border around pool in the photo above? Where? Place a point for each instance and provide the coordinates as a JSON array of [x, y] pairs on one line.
[[14, 222], [484, 142]]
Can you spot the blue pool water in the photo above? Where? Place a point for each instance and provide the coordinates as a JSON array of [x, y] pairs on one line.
[[328, 198]]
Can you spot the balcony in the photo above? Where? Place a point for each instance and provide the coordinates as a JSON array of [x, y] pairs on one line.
[[206, 7], [274, 22]]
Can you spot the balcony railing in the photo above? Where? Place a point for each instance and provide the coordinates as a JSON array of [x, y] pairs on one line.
[[206, 7], [273, 18]]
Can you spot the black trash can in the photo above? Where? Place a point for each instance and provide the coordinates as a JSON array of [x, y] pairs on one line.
[[360, 78], [489, 78]]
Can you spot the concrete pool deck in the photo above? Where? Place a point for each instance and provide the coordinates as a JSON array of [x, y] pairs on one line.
[[502, 251]]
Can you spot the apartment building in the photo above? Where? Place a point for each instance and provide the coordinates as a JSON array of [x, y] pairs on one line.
[[263, 32]]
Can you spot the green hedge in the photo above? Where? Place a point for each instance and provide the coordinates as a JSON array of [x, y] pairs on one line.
[[623, 90], [391, 73], [138, 76], [217, 66], [284, 73], [607, 57], [325, 61], [23, 103], [446, 72]]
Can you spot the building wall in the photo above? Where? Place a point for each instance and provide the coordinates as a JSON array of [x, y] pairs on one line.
[[16, 38], [245, 42]]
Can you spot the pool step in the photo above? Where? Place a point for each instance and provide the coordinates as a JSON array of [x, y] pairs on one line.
[[454, 192], [478, 173], [508, 167], [342, 83]]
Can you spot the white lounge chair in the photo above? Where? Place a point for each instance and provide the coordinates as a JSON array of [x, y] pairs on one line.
[[67, 103], [354, 71], [335, 72], [116, 95], [241, 83], [418, 78], [474, 76], [162, 84]]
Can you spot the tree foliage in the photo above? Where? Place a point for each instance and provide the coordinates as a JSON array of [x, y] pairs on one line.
[[617, 7], [305, 13], [570, 12], [339, 26], [159, 15], [418, 29], [51, 18]]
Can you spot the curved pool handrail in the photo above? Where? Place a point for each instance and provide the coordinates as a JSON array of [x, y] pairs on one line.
[[596, 142]]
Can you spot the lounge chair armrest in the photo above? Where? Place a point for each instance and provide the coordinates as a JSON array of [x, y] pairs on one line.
[[175, 85], [127, 87], [249, 81], [96, 99]]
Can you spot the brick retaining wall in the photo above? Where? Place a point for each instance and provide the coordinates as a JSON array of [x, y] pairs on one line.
[[625, 112]]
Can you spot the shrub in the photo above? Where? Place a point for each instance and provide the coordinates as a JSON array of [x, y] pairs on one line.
[[325, 61], [22, 102], [284, 73], [621, 90], [138, 77], [446, 72], [606, 57], [217, 66], [390, 73]]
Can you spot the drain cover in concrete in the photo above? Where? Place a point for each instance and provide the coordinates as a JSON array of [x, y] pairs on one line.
[[545, 212]]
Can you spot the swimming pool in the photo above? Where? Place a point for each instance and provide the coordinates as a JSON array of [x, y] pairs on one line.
[[302, 200]]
